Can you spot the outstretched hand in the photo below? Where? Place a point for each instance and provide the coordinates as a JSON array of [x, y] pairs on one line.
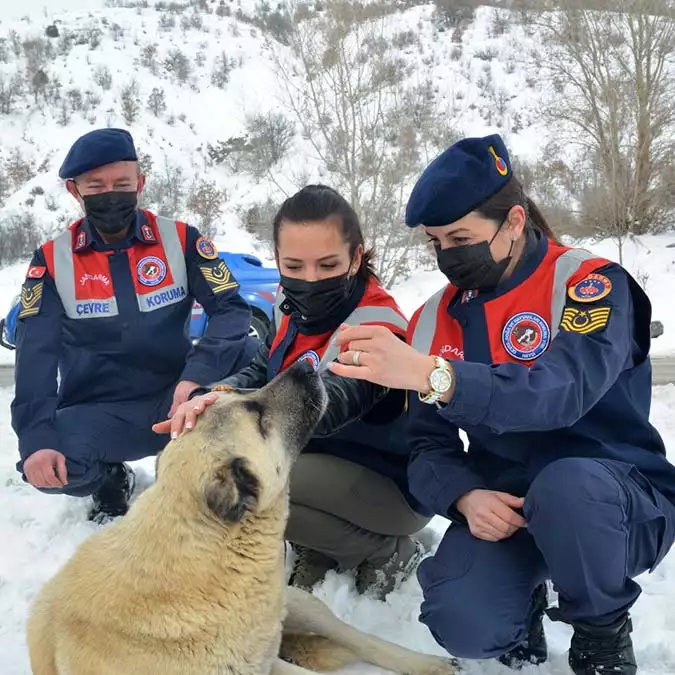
[[383, 358], [185, 416]]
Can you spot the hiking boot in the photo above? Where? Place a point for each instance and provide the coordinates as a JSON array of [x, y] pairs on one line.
[[533, 649], [603, 650], [111, 500], [381, 577], [309, 568]]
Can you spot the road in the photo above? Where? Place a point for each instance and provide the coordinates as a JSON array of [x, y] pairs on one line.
[[663, 368]]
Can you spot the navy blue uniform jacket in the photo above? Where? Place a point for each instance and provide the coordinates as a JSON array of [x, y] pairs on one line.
[[587, 395], [133, 355]]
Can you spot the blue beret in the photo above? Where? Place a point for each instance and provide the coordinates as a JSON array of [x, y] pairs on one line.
[[96, 149], [458, 181]]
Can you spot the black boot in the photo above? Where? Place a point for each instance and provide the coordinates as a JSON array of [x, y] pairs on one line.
[[533, 650], [596, 650], [112, 498]]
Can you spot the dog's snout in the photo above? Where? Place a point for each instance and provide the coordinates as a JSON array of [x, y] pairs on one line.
[[301, 369]]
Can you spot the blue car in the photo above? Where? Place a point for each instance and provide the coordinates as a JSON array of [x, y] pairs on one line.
[[258, 286]]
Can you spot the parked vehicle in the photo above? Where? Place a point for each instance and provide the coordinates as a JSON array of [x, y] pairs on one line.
[[258, 286]]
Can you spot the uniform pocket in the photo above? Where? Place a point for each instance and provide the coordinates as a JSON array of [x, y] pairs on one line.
[[653, 507]]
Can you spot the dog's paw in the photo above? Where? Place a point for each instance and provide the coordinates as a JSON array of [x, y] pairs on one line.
[[437, 666]]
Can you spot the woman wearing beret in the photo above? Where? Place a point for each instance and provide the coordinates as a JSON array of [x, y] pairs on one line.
[[350, 504], [539, 352]]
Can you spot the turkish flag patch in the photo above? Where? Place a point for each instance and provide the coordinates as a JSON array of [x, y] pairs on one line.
[[35, 272]]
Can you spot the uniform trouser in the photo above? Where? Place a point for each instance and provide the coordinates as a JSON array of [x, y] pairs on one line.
[[593, 525], [92, 435], [346, 511]]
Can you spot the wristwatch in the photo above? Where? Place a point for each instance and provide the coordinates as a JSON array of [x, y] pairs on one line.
[[440, 381]]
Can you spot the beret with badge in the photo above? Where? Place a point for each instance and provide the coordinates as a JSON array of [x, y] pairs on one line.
[[96, 149], [458, 181]]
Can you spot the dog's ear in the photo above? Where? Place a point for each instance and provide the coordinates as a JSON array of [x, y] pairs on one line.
[[233, 491]]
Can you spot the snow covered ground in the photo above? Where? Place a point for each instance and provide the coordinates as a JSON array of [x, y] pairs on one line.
[[40, 532]]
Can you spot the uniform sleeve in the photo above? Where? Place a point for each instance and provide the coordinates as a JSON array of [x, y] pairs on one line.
[[595, 343], [254, 375], [439, 472], [224, 343], [38, 339]]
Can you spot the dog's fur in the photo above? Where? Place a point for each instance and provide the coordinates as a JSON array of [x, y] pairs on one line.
[[191, 581]]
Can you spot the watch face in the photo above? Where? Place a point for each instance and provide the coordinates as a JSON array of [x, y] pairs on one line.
[[440, 380]]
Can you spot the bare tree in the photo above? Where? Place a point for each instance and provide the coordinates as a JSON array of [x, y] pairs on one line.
[[131, 103], [165, 190], [11, 89], [157, 102], [369, 127], [206, 201], [614, 98]]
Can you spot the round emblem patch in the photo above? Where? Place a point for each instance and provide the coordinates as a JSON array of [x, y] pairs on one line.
[[312, 357], [526, 336], [206, 248], [593, 287], [151, 271]]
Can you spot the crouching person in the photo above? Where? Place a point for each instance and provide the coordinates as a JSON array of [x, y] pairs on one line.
[[350, 504], [105, 305], [540, 353]]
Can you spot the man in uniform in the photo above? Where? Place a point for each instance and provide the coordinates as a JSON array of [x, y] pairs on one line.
[[106, 305]]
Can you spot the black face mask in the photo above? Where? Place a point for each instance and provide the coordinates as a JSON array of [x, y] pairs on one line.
[[472, 267], [111, 212], [311, 301]]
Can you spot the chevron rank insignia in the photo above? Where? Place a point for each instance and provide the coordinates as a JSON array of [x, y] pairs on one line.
[[584, 321], [218, 277], [31, 299]]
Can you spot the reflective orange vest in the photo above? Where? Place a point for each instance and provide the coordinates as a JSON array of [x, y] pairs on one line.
[[82, 275], [377, 307], [521, 322]]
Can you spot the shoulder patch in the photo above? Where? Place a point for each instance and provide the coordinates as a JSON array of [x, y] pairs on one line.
[[585, 321], [206, 248], [35, 272], [31, 299], [591, 288], [526, 336], [218, 277]]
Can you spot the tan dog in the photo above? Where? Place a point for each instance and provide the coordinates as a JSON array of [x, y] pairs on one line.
[[191, 581]]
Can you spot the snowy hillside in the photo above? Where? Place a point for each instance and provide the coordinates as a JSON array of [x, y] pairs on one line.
[[479, 76]]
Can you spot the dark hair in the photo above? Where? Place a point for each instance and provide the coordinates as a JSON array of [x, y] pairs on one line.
[[319, 202], [498, 206]]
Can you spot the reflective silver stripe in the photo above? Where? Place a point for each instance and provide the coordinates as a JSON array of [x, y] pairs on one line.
[[278, 314], [175, 258], [365, 314], [566, 265], [423, 336], [64, 278]]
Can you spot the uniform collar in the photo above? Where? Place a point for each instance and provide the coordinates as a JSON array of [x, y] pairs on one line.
[[87, 237]]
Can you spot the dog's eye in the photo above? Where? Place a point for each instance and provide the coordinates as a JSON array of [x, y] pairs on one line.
[[257, 409]]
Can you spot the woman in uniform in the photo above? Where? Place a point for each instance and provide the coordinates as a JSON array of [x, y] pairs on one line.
[[539, 352], [350, 504]]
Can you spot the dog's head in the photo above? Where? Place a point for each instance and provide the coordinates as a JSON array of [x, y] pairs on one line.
[[239, 456]]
